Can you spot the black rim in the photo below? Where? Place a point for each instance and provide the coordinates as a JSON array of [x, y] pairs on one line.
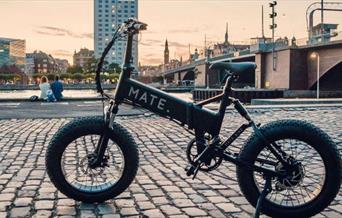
[[303, 184], [76, 170]]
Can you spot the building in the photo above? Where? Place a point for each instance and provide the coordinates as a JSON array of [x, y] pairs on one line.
[[83, 57], [29, 64], [12, 52], [225, 48], [12, 74], [151, 71], [43, 63], [166, 53], [62, 65], [109, 14], [329, 31]]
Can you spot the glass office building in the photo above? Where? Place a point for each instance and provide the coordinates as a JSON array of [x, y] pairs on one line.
[[12, 52], [108, 15]]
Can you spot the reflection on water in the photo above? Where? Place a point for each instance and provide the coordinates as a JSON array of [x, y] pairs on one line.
[[25, 94], [28, 93]]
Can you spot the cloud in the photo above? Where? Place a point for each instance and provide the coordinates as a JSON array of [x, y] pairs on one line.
[[150, 42], [56, 31], [151, 60], [185, 30], [61, 52], [178, 44]]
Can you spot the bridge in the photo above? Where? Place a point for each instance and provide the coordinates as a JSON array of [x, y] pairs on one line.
[[294, 68], [199, 72]]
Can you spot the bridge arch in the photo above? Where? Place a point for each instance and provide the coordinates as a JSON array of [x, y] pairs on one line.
[[190, 75], [331, 79], [329, 58]]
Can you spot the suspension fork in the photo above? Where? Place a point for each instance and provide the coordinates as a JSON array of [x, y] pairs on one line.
[[110, 113]]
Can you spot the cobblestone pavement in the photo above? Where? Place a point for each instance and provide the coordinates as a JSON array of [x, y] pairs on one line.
[[161, 187]]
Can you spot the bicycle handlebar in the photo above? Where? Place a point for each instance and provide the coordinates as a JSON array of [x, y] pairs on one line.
[[131, 26]]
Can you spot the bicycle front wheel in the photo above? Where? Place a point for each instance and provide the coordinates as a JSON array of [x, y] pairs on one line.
[[70, 152]]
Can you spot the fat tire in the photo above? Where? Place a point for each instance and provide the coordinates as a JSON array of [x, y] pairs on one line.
[[313, 136], [85, 126]]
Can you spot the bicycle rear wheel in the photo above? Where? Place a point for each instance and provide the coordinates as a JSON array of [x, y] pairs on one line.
[[314, 183]]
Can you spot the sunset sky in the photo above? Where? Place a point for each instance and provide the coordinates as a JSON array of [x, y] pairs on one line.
[[59, 27]]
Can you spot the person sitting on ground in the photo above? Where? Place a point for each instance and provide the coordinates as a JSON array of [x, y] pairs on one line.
[[44, 88], [57, 88]]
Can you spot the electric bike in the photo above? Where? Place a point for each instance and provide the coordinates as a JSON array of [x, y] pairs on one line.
[[286, 168]]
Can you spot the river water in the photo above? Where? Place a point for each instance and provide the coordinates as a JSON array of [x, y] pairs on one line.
[[25, 94]]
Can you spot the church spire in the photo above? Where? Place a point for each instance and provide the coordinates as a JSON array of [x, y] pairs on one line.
[[226, 35], [166, 53]]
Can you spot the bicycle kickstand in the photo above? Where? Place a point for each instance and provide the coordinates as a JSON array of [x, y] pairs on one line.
[[267, 189]]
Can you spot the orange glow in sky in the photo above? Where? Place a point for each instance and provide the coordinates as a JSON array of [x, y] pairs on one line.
[[59, 27]]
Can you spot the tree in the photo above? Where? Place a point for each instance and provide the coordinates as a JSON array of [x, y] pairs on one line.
[[90, 66], [113, 77], [51, 76], [74, 69], [66, 76], [114, 68], [78, 76], [9, 77]]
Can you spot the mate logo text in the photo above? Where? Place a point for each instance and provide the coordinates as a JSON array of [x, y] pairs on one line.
[[147, 98]]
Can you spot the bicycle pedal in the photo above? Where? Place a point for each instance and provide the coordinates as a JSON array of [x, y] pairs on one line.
[[190, 170]]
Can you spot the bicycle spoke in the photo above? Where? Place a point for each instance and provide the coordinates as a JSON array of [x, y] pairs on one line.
[[293, 192], [77, 172]]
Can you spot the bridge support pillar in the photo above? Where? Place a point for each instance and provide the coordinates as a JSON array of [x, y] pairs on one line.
[[260, 71], [201, 79]]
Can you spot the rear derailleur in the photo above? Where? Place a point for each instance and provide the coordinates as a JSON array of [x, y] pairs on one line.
[[205, 157]]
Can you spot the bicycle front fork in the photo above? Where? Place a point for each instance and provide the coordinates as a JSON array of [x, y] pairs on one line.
[[110, 112]]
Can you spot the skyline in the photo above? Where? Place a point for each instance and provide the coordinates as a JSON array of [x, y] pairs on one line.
[[183, 23]]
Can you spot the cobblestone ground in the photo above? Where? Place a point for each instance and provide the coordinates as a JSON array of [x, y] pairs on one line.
[[161, 188]]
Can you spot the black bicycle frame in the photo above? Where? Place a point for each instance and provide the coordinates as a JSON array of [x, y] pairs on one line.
[[162, 103], [193, 115]]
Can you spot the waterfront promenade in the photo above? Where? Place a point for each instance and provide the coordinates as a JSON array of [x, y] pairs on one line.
[[161, 188]]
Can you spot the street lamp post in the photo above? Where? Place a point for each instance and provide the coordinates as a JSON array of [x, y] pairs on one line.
[[315, 55]]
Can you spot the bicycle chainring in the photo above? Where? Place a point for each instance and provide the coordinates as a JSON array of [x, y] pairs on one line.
[[192, 154]]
